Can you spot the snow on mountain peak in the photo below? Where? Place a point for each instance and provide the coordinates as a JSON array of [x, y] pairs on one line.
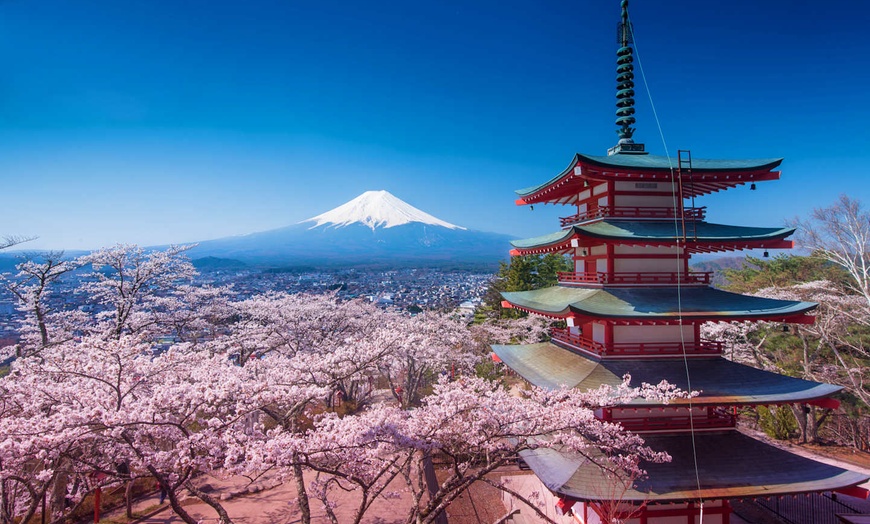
[[376, 209]]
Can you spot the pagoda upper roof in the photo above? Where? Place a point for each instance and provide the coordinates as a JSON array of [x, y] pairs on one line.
[[707, 175], [702, 236], [655, 303], [731, 464], [719, 381]]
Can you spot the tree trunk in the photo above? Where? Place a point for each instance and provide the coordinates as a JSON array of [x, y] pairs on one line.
[[58, 494], [128, 498], [301, 494], [211, 501], [173, 497], [432, 486], [800, 414]]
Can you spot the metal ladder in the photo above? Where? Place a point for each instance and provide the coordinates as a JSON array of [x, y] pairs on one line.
[[685, 179]]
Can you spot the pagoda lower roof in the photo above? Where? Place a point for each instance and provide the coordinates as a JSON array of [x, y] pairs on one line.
[[717, 380], [707, 175], [729, 465], [703, 236], [655, 303]]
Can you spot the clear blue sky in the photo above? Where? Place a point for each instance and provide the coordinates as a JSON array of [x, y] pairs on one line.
[[156, 121]]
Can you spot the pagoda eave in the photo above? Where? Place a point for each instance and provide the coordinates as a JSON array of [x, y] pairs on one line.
[[699, 237], [735, 466], [693, 247], [707, 176], [581, 316], [718, 381], [562, 315], [656, 304]]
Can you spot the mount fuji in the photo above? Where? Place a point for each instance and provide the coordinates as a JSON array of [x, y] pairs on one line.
[[375, 228]]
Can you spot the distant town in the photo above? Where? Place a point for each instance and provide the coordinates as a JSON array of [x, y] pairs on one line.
[[411, 289]]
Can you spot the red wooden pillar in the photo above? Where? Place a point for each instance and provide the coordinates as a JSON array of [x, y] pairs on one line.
[[97, 495], [610, 264]]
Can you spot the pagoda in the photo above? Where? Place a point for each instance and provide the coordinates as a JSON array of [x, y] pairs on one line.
[[633, 306]]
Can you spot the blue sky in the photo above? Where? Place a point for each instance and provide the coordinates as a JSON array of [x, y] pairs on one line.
[[158, 122]]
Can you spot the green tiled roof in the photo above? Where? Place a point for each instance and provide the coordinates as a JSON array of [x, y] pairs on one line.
[[651, 303], [616, 229], [719, 381], [730, 464], [657, 163], [662, 162]]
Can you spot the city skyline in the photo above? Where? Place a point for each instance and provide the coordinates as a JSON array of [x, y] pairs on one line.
[[157, 123]]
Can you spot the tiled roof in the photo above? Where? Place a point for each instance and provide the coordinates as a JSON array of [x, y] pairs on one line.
[[718, 381], [730, 464], [655, 231], [653, 303], [654, 163]]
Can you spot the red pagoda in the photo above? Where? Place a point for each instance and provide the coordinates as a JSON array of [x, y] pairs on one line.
[[633, 306]]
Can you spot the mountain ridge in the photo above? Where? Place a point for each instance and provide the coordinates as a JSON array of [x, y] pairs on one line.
[[376, 209], [373, 228]]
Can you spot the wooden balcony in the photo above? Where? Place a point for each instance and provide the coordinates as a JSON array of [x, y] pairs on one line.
[[691, 278], [564, 337], [689, 213], [676, 423]]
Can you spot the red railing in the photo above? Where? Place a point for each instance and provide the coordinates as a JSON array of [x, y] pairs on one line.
[[704, 347], [566, 337], [660, 278], [716, 420], [690, 213]]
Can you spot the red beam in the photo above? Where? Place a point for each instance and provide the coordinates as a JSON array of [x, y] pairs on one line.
[[827, 403], [854, 491]]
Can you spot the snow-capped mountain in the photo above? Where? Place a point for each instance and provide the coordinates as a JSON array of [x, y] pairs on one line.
[[376, 209], [375, 228]]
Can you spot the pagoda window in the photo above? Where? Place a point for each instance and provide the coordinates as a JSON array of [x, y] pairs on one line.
[[654, 334], [599, 333], [601, 265], [642, 201], [657, 187], [660, 250], [654, 265]]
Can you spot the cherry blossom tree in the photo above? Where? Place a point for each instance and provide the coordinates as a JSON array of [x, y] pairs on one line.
[[127, 280], [324, 347], [432, 343], [471, 424], [253, 385], [109, 407], [32, 287]]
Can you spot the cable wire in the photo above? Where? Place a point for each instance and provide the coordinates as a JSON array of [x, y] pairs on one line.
[[680, 243]]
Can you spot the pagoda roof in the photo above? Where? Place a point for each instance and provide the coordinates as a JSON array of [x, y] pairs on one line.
[[718, 381], [730, 465], [703, 236], [708, 175], [655, 303]]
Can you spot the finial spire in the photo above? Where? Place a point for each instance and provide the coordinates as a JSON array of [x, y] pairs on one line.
[[625, 87], [624, 77]]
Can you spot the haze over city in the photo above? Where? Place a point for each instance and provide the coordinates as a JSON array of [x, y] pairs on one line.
[[161, 122]]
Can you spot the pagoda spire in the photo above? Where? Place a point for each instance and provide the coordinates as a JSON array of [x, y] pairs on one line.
[[625, 87]]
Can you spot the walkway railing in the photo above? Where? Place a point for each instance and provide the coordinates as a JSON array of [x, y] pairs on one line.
[[690, 213], [627, 278], [812, 508], [704, 347], [675, 423]]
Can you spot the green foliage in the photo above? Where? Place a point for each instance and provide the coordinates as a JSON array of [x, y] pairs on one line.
[[782, 271], [489, 369], [777, 422], [525, 273]]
